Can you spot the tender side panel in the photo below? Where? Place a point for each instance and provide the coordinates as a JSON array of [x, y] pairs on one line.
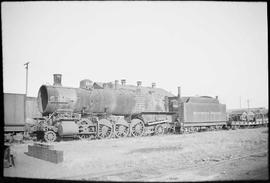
[[205, 114]]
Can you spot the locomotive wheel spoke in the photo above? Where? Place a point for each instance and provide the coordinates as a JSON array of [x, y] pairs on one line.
[[82, 137], [159, 130], [50, 136], [104, 131], [121, 130], [137, 127], [105, 128]]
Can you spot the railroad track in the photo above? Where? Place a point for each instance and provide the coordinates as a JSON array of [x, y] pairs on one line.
[[163, 169]]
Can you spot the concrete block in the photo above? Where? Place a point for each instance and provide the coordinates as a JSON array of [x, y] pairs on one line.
[[60, 156], [30, 150], [46, 146], [47, 156], [53, 158], [45, 152], [33, 151]]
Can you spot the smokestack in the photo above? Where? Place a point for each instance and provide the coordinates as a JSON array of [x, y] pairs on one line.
[[116, 82], [179, 92], [123, 82], [57, 80], [139, 83], [153, 85]]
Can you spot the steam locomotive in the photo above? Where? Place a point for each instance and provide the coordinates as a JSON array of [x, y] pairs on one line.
[[105, 110]]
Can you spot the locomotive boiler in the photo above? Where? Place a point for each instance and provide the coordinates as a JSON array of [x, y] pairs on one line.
[[111, 100], [104, 110]]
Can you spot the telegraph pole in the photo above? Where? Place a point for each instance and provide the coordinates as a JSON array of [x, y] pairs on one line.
[[26, 87], [248, 108], [240, 102]]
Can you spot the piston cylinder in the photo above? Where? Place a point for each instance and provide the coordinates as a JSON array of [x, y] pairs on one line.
[[68, 128]]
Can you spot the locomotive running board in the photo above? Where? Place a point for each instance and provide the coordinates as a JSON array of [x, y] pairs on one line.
[[157, 122], [157, 113]]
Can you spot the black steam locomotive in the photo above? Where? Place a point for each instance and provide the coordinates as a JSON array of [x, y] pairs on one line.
[[105, 110]]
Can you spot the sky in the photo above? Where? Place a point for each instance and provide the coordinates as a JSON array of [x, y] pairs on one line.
[[207, 48]]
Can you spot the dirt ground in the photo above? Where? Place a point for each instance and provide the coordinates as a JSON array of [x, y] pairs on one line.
[[240, 154]]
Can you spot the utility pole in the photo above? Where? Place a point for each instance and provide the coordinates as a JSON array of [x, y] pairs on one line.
[[240, 103], [26, 87], [248, 108]]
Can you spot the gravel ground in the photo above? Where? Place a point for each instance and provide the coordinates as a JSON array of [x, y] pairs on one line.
[[217, 155]]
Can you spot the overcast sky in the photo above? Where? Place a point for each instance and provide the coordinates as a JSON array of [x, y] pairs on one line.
[[207, 48]]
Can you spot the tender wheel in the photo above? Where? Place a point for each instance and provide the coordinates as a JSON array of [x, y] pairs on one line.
[[105, 128], [50, 136], [159, 130], [137, 127], [121, 130]]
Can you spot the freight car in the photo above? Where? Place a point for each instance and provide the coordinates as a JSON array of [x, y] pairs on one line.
[[253, 117], [96, 110], [19, 111]]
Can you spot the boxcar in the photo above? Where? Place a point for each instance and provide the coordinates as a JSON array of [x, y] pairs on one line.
[[14, 113], [18, 110]]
